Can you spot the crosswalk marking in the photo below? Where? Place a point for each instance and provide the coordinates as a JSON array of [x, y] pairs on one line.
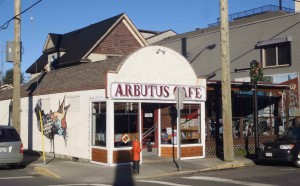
[[216, 179], [18, 177], [161, 182]]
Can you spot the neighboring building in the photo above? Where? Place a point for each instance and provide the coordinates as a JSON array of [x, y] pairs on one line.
[[154, 36], [113, 37], [5, 86], [265, 34]]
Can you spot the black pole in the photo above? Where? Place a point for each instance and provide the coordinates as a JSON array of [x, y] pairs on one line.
[[280, 4], [255, 119], [253, 65]]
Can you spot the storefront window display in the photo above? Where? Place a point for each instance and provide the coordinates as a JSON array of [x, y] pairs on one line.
[[99, 124], [126, 123], [189, 124]]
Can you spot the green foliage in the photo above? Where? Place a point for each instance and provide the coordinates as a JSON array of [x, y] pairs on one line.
[[8, 77], [241, 152], [256, 73]]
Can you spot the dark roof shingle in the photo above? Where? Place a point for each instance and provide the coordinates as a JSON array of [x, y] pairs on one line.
[[87, 76], [76, 43]]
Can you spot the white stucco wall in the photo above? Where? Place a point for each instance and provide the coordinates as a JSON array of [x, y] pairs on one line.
[[78, 123], [4, 112], [297, 6], [157, 65]]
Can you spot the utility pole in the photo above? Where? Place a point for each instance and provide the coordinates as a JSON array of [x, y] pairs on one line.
[[226, 83], [280, 4], [16, 69]]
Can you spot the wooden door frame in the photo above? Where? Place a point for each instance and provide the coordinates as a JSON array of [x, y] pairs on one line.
[[155, 121]]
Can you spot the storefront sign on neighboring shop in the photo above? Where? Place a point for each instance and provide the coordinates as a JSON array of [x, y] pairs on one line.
[[154, 91]]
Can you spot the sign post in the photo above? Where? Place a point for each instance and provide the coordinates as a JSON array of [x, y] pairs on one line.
[[179, 96]]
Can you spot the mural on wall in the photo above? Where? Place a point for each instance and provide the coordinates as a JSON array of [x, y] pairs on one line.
[[291, 79], [54, 123]]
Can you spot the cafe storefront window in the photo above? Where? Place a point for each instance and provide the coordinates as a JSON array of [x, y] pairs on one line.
[[126, 124], [99, 124], [189, 124]]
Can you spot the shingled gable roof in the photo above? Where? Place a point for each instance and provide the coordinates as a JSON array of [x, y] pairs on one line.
[[77, 44], [55, 39], [87, 76]]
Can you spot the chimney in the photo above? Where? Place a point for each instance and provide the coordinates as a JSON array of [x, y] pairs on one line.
[[297, 6]]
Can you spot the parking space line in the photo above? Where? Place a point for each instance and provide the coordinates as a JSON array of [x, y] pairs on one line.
[[161, 182], [17, 177], [79, 184], [216, 179]]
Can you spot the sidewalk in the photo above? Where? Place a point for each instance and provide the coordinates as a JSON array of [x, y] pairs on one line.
[[151, 167]]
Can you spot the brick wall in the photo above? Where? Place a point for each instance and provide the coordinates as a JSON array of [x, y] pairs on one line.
[[119, 42]]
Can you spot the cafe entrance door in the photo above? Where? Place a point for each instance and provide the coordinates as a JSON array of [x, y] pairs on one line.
[[150, 129]]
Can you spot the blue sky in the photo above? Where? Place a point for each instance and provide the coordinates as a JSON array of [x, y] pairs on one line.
[[62, 16]]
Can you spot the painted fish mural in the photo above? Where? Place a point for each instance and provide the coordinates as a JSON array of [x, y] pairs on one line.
[[53, 122]]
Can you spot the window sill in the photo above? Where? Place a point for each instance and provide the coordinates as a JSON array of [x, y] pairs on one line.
[[277, 66]]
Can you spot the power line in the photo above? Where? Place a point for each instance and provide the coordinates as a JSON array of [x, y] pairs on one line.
[[5, 25]]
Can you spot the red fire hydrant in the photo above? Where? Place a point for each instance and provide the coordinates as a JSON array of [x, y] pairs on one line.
[[136, 150]]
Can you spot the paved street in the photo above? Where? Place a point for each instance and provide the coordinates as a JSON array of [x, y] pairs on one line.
[[154, 171], [266, 175], [258, 175], [23, 176]]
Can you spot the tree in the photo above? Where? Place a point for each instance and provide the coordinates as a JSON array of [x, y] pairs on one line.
[[8, 77]]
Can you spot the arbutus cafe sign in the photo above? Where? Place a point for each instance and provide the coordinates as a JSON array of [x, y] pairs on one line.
[[155, 92]]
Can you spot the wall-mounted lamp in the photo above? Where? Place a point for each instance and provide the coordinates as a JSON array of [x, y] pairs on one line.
[[160, 51]]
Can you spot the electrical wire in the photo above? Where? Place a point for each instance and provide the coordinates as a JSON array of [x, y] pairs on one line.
[[5, 25]]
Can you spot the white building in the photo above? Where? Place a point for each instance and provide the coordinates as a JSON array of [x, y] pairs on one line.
[[93, 111]]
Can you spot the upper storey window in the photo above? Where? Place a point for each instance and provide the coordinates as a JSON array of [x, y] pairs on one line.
[[276, 52]]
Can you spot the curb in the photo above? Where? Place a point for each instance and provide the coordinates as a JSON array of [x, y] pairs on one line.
[[43, 170], [231, 165]]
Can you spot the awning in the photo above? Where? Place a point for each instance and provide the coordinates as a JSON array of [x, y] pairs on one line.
[[273, 41]]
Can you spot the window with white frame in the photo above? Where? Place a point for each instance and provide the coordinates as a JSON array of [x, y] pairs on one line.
[[189, 124], [99, 124], [126, 124], [275, 52], [276, 55]]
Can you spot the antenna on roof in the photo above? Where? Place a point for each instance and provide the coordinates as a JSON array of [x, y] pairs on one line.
[[31, 17]]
